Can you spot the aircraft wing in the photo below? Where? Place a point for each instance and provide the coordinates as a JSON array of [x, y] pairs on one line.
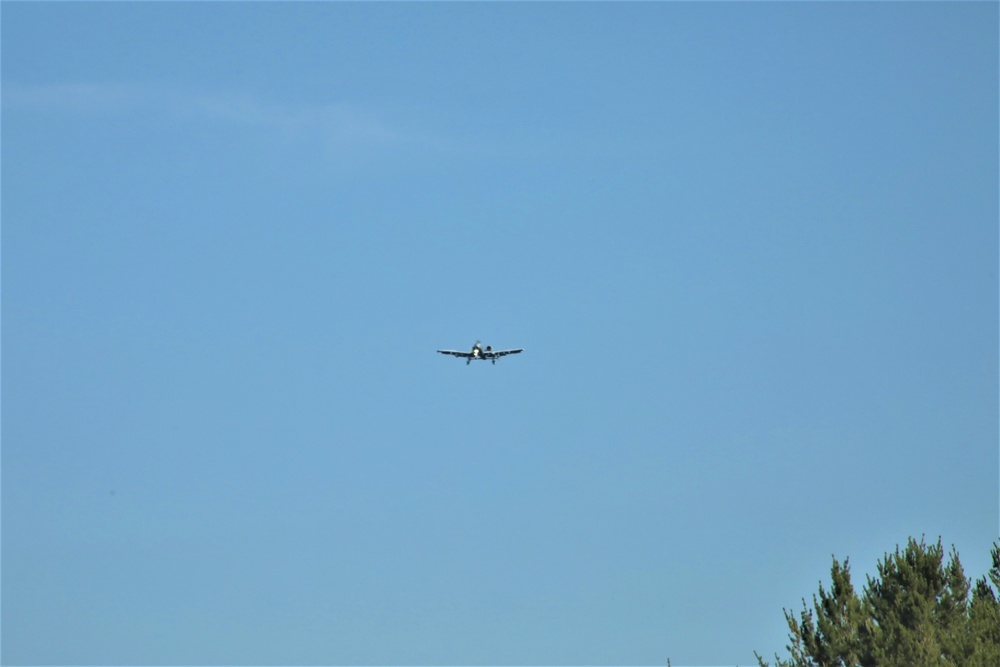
[[456, 353], [494, 354]]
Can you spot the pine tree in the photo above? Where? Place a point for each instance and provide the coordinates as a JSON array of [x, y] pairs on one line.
[[915, 613], [914, 609], [828, 633], [984, 619]]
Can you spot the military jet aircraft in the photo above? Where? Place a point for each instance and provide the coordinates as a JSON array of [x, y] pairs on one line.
[[478, 352]]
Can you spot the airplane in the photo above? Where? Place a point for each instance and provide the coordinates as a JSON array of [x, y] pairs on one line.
[[479, 353]]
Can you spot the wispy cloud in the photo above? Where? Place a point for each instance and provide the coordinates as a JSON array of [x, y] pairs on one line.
[[331, 122]]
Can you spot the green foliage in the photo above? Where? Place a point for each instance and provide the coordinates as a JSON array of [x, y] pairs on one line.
[[916, 613], [984, 619]]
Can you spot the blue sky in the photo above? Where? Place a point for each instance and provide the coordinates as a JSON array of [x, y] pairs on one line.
[[750, 251]]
